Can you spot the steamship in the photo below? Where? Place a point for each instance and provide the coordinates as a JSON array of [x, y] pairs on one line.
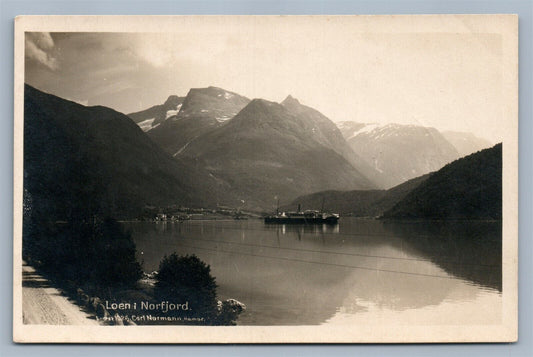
[[303, 217]]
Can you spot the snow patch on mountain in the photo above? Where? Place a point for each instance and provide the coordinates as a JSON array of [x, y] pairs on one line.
[[146, 125], [379, 131], [376, 165], [171, 113], [183, 147], [223, 118]]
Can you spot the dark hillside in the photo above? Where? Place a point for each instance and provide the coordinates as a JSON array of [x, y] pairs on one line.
[[360, 203], [468, 188], [98, 160]]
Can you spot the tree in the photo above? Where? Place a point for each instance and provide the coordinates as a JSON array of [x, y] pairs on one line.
[[116, 264]]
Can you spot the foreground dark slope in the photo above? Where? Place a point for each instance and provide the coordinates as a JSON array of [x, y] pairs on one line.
[[369, 203], [74, 153], [266, 151], [468, 188]]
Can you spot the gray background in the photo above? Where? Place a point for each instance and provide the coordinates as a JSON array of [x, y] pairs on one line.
[[10, 8]]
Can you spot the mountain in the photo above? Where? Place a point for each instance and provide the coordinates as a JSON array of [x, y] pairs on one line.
[[268, 151], [360, 203], [328, 134], [96, 159], [466, 143], [468, 188], [323, 130], [399, 152], [203, 110], [151, 117]]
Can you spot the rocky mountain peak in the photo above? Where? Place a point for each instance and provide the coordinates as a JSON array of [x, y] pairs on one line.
[[290, 101], [262, 102], [172, 101]]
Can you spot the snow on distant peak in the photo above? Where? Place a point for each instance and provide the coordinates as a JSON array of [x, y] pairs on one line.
[[366, 129], [377, 131], [171, 113]]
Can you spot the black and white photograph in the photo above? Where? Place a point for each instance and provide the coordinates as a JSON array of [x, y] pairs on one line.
[[266, 179]]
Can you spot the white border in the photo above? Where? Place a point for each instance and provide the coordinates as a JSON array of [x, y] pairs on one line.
[[506, 25]]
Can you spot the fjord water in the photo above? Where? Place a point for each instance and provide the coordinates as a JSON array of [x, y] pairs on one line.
[[356, 272]]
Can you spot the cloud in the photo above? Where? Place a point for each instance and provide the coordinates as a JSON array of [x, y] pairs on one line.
[[43, 39], [38, 47]]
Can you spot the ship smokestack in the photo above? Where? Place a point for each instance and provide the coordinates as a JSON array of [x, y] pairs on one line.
[[299, 207]]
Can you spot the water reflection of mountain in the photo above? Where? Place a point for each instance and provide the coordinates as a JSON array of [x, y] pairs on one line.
[[305, 275], [470, 250], [386, 272]]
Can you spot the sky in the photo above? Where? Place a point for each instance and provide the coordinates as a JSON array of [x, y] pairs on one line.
[[451, 81]]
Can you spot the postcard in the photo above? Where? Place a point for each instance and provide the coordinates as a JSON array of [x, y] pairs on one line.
[[266, 179]]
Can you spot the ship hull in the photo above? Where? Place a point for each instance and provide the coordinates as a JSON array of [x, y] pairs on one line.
[[302, 220]]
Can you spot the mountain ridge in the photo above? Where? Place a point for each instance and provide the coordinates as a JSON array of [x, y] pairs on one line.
[[466, 143], [155, 115], [202, 110], [399, 152], [267, 150]]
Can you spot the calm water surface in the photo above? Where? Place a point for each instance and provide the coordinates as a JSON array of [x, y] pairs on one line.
[[357, 272]]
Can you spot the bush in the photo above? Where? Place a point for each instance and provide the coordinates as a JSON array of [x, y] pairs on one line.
[[184, 279]]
